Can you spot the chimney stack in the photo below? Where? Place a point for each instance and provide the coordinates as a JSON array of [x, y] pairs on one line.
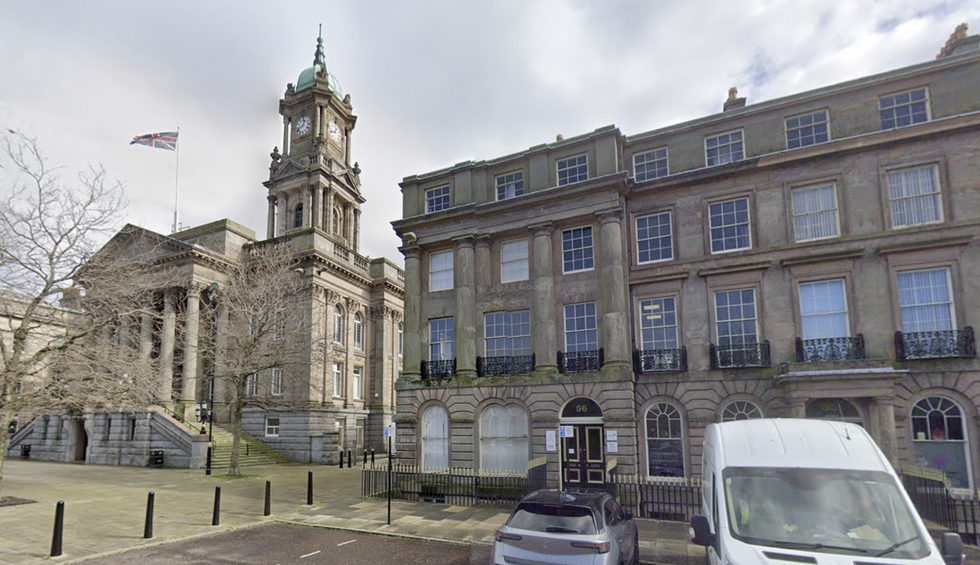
[[959, 42], [733, 102]]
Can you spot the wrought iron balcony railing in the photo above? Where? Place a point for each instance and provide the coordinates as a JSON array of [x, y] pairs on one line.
[[740, 356], [660, 360], [438, 369], [829, 349], [503, 366], [940, 344], [580, 361]]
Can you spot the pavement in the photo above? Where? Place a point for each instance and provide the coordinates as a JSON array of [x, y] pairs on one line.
[[105, 509]]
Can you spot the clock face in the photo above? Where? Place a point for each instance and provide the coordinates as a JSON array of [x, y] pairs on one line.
[[334, 131], [303, 125]]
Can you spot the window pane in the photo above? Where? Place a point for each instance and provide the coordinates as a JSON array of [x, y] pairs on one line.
[[441, 271], [580, 327], [654, 240], [435, 439], [824, 309], [815, 212], [514, 261], [577, 250], [914, 196], [504, 439], [926, 300]]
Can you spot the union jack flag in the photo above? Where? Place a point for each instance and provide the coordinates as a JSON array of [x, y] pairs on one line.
[[163, 140]]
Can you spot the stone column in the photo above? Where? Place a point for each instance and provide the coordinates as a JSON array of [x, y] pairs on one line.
[[483, 268], [308, 207], [544, 340], [165, 393], [329, 210], [188, 389], [146, 337], [612, 280], [347, 147], [270, 225], [884, 407], [412, 352], [356, 229], [797, 408], [465, 322], [348, 223], [318, 207], [285, 135], [317, 122]]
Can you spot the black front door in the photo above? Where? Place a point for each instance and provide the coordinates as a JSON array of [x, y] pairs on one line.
[[582, 457]]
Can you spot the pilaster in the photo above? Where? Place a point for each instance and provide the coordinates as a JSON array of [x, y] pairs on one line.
[[465, 323], [412, 354], [612, 278], [545, 342]]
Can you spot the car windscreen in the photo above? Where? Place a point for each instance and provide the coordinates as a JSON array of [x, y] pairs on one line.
[[553, 518], [825, 510]]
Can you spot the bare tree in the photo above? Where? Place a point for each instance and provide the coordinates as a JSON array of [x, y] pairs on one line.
[[64, 307], [268, 336]]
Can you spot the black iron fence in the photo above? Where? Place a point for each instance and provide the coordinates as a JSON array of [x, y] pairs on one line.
[[740, 355], [456, 486], [934, 502], [438, 369], [660, 360], [942, 344], [581, 361], [829, 349], [503, 366], [664, 499]]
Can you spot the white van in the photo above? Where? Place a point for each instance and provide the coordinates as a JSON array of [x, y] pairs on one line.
[[807, 491]]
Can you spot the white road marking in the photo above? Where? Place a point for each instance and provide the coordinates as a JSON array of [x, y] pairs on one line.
[[346, 542], [309, 554]]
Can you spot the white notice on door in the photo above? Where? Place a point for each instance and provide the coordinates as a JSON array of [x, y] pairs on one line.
[[550, 443]]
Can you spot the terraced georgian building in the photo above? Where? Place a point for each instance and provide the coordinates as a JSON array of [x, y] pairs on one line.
[[600, 299]]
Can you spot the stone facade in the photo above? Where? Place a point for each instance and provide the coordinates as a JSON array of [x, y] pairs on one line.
[[710, 260]]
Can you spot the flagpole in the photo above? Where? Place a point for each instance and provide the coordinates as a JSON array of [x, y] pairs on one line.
[[176, 180]]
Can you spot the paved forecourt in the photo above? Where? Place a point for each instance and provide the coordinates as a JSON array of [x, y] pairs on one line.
[[105, 508]]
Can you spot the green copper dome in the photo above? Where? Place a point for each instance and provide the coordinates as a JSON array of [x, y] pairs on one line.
[[307, 78]]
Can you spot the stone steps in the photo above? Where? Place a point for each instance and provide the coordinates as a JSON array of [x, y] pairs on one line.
[[252, 451]]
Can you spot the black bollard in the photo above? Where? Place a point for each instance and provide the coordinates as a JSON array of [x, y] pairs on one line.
[[309, 488], [365, 459], [350, 463], [59, 526], [217, 506], [341, 458], [268, 498], [148, 524], [207, 468], [372, 457]]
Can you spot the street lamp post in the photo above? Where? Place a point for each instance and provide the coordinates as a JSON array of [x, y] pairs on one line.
[[212, 291]]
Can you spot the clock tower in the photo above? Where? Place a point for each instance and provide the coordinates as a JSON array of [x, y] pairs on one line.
[[313, 185]]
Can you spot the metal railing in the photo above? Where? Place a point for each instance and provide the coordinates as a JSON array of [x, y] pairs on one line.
[[457, 486], [829, 349], [667, 499], [740, 356], [443, 369], [934, 502], [660, 360], [581, 361], [502, 366], [940, 344]]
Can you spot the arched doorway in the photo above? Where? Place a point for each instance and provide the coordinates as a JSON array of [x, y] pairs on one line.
[[838, 409], [583, 459]]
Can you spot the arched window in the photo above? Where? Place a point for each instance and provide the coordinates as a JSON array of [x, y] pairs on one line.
[[338, 221], [503, 439], [338, 325], [435, 439], [335, 221], [358, 331], [740, 410], [298, 216], [938, 438], [665, 441]]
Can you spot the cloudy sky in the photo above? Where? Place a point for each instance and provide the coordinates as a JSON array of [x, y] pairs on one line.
[[433, 82]]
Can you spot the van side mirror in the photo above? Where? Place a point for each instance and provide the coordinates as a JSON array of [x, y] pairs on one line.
[[952, 549], [700, 531]]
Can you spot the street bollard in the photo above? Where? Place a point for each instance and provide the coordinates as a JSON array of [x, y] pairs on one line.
[[217, 506], [268, 498], [365, 459], [309, 488], [341, 458], [207, 467], [372, 457], [350, 464], [59, 526], [148, 523]]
